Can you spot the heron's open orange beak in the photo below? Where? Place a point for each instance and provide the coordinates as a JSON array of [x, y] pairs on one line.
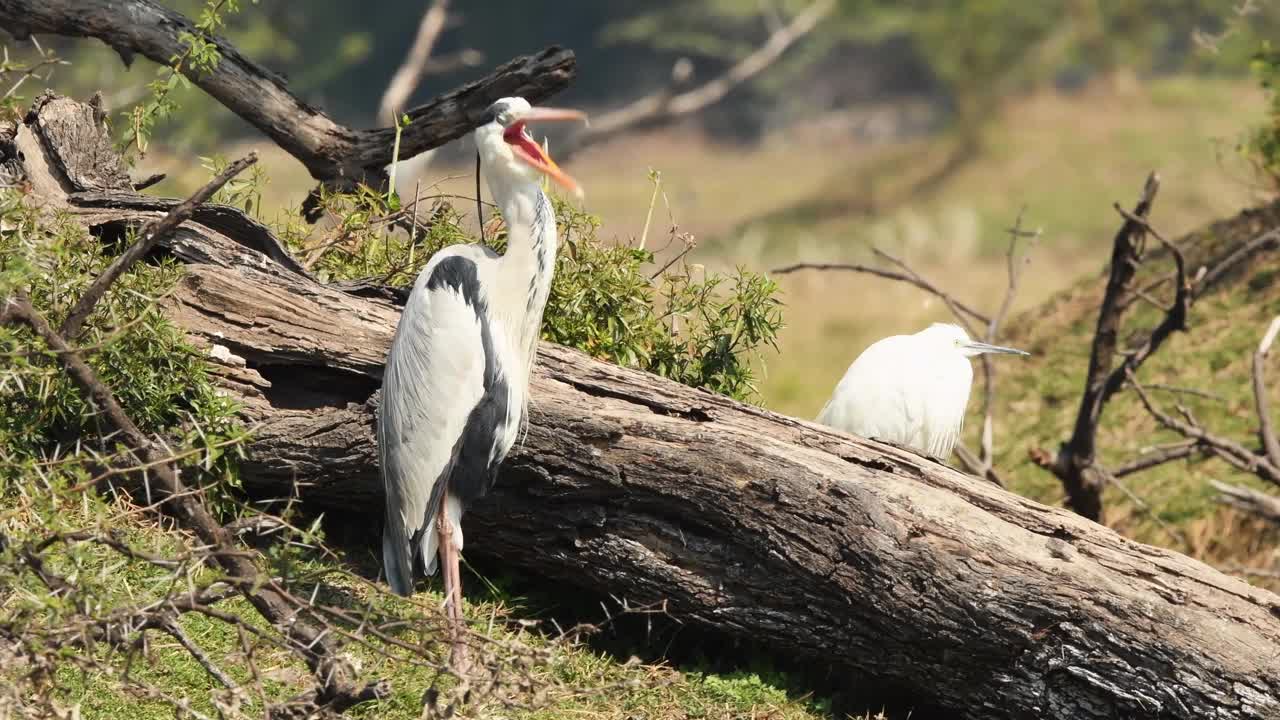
[[532, 153]]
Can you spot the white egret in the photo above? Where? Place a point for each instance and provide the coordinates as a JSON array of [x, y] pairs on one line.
[[455, 388], [910, 389]]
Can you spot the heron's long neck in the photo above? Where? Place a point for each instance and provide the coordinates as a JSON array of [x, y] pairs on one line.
[[525, 271]]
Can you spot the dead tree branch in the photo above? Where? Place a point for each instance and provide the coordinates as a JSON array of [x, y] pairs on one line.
[[963, 312], [1260, 463], [334, 154], [1074, 463], [418, 62], [1249, 500], [1015, 266], [668, 104]]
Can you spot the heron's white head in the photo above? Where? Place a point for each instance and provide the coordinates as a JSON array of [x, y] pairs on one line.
[[953, 338], [507, 149]]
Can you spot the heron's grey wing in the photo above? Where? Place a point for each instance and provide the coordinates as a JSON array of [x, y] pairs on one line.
[[433, 379]]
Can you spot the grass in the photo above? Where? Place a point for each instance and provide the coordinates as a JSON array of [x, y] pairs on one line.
[[549, 677], [569, 679]]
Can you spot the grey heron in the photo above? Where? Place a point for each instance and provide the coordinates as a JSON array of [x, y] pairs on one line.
[[910, 389], [455, 388]]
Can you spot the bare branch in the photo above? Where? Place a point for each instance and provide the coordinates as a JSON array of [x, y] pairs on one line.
[[151, 235], [666, 104], [1015, 267], [406, 77], [170, 625], [909, 278], [1229, 450], [1157, 457], [1249, 500]]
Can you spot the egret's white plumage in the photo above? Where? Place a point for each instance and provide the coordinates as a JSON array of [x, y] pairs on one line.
[[909, 389], [455, 386]]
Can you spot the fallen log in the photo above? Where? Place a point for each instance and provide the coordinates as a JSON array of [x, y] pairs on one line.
[[812, 542]]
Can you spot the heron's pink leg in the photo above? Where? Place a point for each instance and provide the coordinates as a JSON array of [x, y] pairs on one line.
[[452, 592]]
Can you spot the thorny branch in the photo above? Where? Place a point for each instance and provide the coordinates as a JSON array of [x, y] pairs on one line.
[[151, 235]]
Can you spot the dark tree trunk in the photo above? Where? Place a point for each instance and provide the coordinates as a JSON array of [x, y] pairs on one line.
[[760, 526]]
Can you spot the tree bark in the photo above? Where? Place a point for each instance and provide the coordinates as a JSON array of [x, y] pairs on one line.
[[813, 542]]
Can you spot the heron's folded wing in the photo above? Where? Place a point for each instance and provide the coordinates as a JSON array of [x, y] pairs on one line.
[[433, 379]]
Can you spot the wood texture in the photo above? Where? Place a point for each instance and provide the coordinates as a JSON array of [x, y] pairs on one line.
[[757, 525]]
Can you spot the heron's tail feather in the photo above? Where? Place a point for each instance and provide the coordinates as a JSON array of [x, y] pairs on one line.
[[398, 564]]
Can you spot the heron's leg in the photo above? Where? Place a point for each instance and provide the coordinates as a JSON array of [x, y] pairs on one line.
[[452, 591]]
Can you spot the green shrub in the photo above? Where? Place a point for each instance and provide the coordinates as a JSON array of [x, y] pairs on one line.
[[613, 301], [1262, 145], [46, 424]]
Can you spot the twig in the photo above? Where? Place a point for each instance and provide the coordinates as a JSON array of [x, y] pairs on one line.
[[952, 304], [1229, 450], [1160, 456], [1248, 500], [910, 279], [151, 235], [1145, 508], [1014, 270], [689, 245], [170, 625], [978, 467], [1186, 391]]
